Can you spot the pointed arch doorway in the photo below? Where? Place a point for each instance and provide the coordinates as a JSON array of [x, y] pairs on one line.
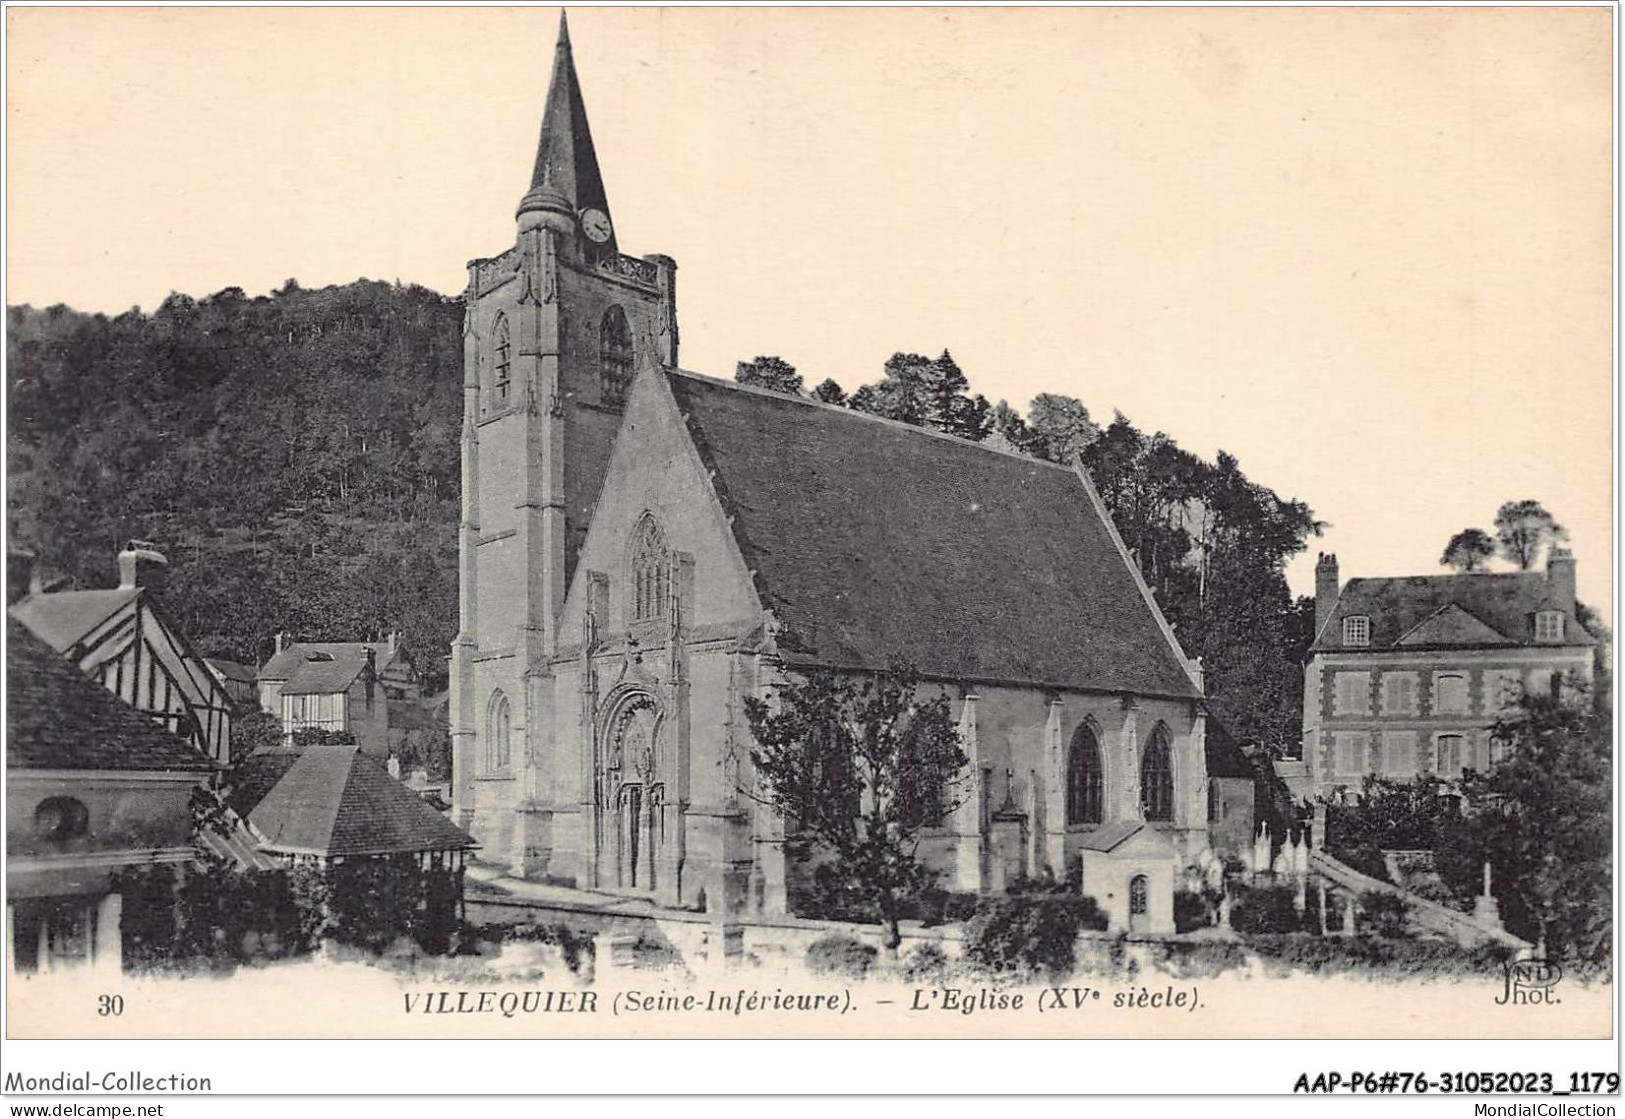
[[633, 801]]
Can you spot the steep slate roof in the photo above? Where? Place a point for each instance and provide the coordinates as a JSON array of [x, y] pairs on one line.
[[1503, 604], [256, 775], [334, 800], [64, 617], [324, 677], [1112, 836], [232, 670], [872, 541], [284, 664], [59, 718]]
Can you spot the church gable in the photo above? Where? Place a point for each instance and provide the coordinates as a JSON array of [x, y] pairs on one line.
[[657, 500], [1451, 625]]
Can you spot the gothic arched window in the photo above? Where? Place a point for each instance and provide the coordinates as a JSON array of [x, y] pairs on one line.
[[501, 362], [614, 356], [1157, 778], [648, 571], [1085, 778], [498, 726]]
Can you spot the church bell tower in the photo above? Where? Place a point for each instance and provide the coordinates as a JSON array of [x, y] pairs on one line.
[[554, 329]]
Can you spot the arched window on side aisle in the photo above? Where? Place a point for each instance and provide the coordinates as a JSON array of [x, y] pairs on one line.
[[501, 362], [1157, 777], [498, 727], [1085, 778]]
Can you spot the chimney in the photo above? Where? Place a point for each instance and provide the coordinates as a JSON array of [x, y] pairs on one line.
[[1560, 579], [281, 640], [1326, 589], [393, 638], [141, 565]]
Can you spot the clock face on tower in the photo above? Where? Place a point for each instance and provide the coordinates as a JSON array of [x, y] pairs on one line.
[[595, 224]]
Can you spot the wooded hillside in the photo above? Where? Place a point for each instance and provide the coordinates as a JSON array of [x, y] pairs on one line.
[[294, 455]]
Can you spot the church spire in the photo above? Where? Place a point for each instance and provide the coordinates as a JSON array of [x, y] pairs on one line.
[[566, 179]]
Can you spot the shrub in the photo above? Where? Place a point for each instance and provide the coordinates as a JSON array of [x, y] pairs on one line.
[[1190, 911], [1267, 909], [1376, 957], [1383, 914], [841, 955], [925, 962], [1364, 858], [1201, 959], [1030, 933]]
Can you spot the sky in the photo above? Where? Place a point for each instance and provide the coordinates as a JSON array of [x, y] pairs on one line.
[[1365, 250]]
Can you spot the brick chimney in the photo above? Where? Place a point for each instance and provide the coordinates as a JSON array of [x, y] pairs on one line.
[[141, 565], [1326, 589], [1560, 579]]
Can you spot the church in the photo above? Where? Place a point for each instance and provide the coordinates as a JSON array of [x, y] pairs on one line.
[[642, 547]]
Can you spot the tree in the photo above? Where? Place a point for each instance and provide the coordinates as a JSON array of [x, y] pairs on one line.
[[1524, 530], [829, 392], [257, 730], [1469, 550], [926, 392], [858, 767], [1541, 817], [769, 373], [1009, 431], [1060, 427]]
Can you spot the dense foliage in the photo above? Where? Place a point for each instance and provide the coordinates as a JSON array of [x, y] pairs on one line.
[[1031, 933], [860, 767], [294, 455]]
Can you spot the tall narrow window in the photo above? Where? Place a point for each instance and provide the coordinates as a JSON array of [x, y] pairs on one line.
[[1085, 778], [614, 356], [1451, 748], [1157, 778], [1450, 693], [497, 728], [501, 362], [648, 571]]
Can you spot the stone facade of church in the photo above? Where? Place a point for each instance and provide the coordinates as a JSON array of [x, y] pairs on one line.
[[642, 548]]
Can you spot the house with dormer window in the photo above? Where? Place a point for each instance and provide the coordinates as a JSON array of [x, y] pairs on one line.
[[1408, 675]]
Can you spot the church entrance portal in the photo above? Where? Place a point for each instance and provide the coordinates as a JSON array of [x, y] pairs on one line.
[[633, 801]]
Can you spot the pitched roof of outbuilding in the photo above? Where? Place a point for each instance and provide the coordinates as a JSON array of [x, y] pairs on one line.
[[324, 677], [873, 541], [59, 718], [1109, 837], [233, 670], [1450, 611], [334, 800], [256, 775], [298, 654], [63, 617]]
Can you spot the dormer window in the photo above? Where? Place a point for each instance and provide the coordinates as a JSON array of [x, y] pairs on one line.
[[1357, 630], [1549, 625]]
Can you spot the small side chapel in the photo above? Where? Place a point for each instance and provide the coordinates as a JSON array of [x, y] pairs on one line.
[[642, 547]]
